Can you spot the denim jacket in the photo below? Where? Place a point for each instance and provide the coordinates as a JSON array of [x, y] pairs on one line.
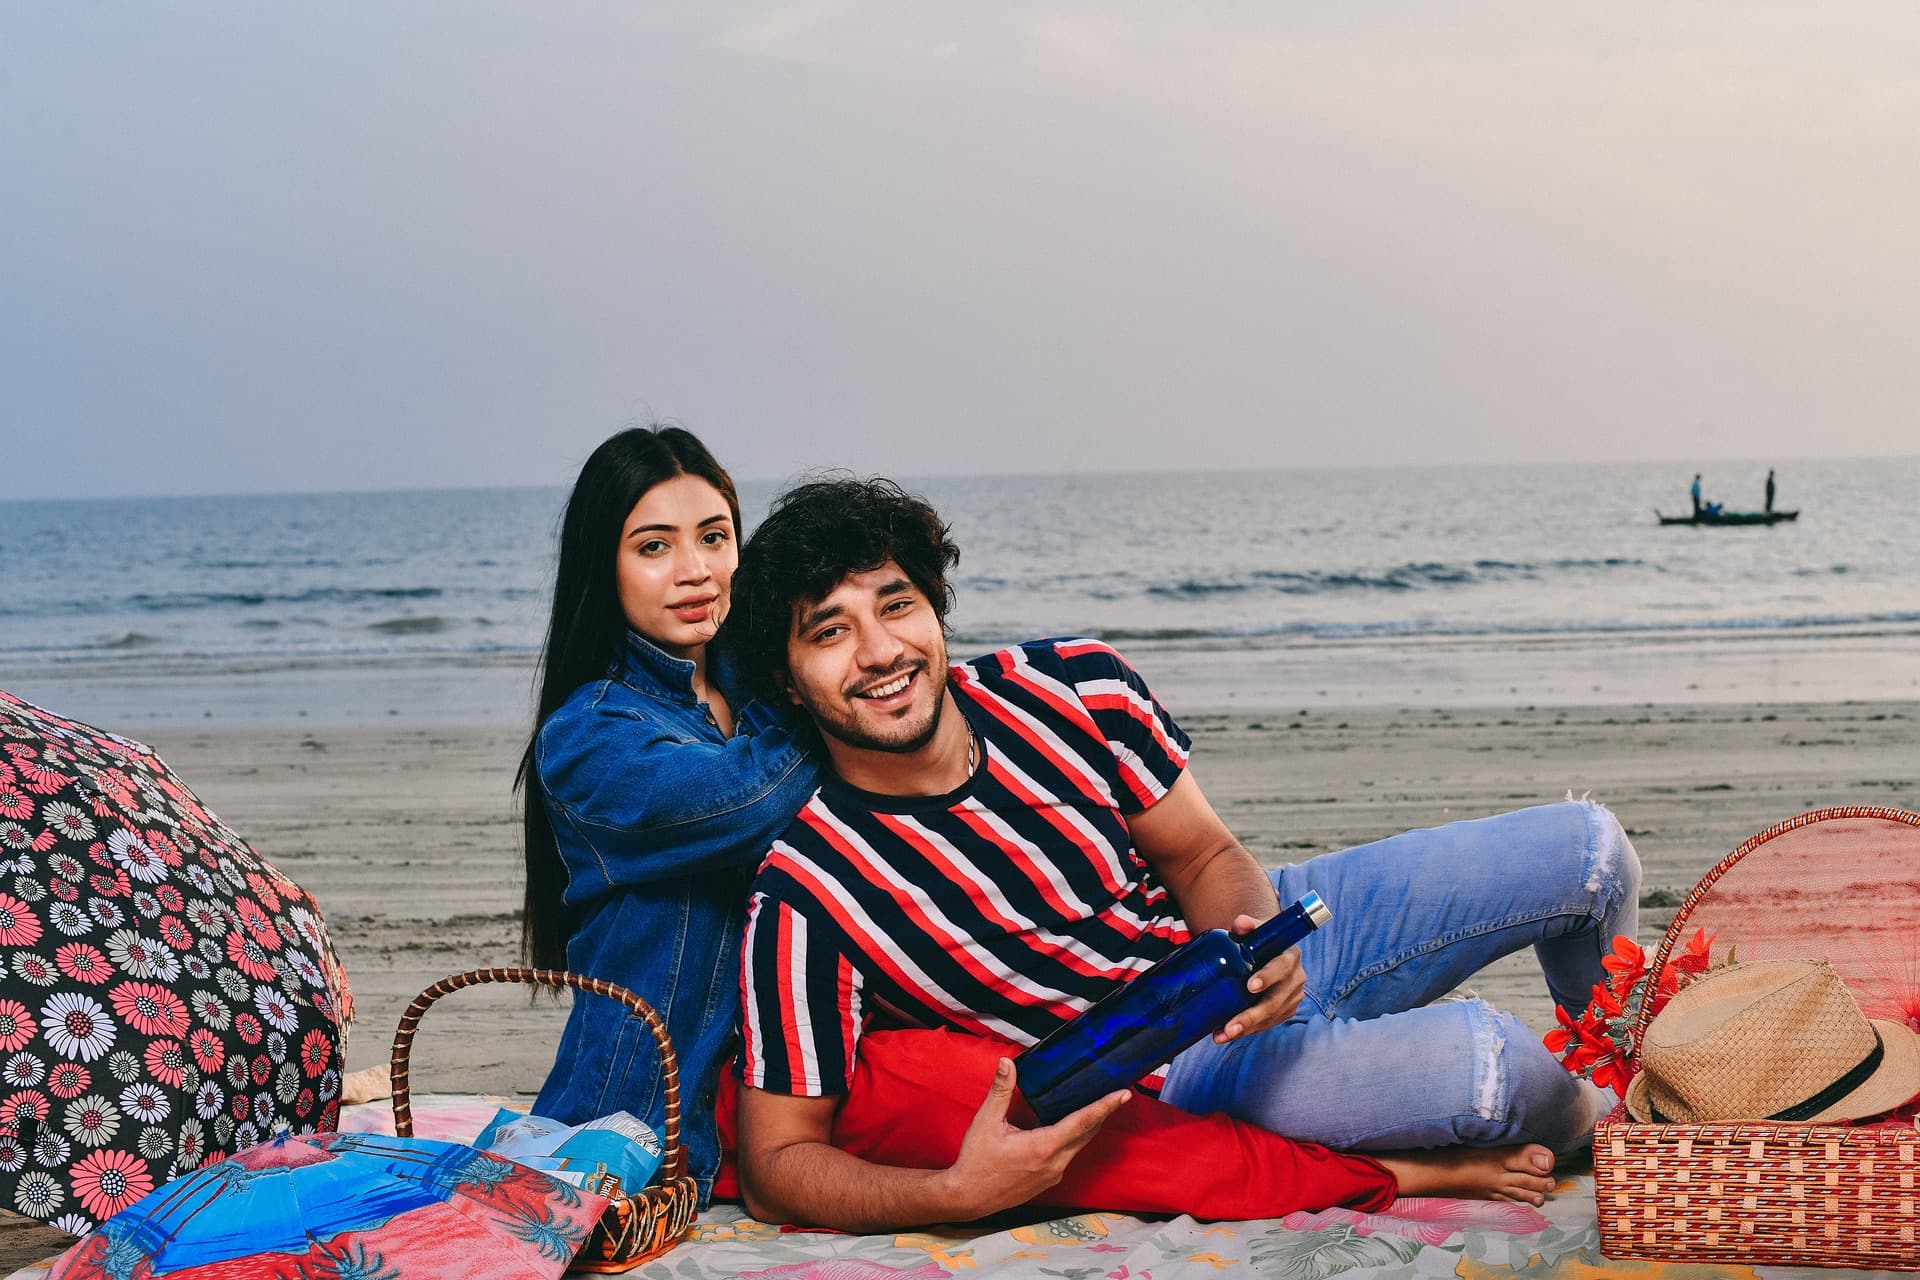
[[661, 822]]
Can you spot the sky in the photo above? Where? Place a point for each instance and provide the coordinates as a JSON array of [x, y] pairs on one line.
[[262, 248]]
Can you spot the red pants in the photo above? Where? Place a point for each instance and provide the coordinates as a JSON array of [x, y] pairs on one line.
[[915, 1092]]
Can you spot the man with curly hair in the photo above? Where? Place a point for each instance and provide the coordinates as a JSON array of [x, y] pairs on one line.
[[1003, 842]]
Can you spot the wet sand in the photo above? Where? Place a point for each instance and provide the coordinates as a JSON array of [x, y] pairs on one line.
[[409, 838]]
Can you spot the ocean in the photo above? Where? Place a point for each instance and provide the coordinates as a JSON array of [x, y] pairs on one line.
[[1444, 585]]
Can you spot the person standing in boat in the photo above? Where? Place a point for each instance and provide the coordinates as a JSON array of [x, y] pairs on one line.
[[1696, 495], [1769, 490]]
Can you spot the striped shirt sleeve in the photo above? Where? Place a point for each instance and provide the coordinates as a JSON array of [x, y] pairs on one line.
[[800, 1000], [1149, 747]]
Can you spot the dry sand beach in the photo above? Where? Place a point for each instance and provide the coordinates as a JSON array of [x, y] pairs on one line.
[[408, 834], [409, 837]]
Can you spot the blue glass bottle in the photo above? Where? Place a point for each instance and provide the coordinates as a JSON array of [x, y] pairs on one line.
[[1191, 993]]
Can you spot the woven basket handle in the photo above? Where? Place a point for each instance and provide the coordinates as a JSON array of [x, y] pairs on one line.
[[402, 1062], [1682, 917]]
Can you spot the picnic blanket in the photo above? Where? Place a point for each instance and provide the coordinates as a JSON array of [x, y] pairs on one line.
[[1417, 1238]]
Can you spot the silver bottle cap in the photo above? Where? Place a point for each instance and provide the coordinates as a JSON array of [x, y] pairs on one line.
[[1316, 908]]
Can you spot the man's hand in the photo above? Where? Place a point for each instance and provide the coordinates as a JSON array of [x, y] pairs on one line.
[[791, 1172], [1280, 983], [1001, 1165], [1217, 884]]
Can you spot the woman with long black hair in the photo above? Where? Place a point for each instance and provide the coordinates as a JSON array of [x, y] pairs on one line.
[[652, 786]]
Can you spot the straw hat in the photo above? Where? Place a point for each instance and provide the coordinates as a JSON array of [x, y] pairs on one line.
[[1772, 1040]]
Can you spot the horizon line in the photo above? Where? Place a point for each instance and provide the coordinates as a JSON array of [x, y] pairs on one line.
[[916, 477]]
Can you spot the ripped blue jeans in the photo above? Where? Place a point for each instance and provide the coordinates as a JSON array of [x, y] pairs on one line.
[[1367, 1063]]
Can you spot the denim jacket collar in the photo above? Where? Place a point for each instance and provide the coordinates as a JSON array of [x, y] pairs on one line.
[[652, 670]]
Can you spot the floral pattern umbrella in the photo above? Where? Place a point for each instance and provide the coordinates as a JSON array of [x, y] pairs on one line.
[[166, 996], [345, 1206]]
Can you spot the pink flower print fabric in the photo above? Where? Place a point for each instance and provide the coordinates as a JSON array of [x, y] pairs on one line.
[[167, 997]]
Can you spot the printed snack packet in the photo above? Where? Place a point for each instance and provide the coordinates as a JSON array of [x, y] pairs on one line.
[[616, 1146]]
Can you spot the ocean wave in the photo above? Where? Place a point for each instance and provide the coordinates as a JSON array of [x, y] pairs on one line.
[[432, 636], [1411, 576], [190, 601], [250, 599], [317, 599], [128, 640], [431, 624], [1420, 628], [284, 562], [95, 655]]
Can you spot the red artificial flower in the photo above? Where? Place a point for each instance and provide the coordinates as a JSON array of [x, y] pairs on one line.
[[1564, 1038], [1610, 1072], [1625, 958], [1595, 1044], [1583, 1041], [1694, 958], [1606, 1006]]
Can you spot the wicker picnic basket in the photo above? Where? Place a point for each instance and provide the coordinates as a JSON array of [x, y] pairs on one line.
[[639, 1225], [1843, 884]]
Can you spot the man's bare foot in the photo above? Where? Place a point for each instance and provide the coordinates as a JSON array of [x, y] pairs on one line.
[[1523, 1174]]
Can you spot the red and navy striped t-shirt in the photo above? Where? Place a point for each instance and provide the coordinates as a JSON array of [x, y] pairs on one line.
[[1003, 908]]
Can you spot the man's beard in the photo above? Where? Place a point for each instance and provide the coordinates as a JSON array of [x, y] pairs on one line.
[[845, 727]]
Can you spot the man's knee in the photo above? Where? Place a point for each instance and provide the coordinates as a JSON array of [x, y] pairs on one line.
[[1613, 868], [1521, 1093]]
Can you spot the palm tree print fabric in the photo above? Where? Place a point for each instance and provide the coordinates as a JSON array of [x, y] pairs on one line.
[[346, 1207], [166, 996]]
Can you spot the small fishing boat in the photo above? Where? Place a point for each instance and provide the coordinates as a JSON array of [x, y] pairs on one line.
[[1732, 517]]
